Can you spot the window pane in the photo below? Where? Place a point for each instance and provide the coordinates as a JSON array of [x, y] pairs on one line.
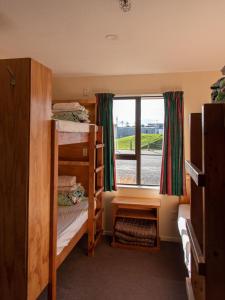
[[126, 171], [124, 126], [150, 169], [152, 119]]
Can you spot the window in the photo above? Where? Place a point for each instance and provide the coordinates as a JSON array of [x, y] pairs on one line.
[[138, 128]]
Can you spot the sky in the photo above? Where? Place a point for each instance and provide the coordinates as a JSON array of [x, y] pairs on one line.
[[152, 110]]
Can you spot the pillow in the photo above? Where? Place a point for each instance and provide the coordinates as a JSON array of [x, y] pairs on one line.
[[66, 181]]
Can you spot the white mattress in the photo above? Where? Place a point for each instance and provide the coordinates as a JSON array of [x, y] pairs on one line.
[[183, 215], [70, 220], [69, 126]]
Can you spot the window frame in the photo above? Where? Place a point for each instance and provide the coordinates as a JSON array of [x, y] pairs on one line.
[[137, 155]]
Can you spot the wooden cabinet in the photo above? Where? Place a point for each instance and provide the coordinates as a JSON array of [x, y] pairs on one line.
[[25, 141], [136, 209]]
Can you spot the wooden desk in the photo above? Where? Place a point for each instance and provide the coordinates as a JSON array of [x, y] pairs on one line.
[[136, 208]]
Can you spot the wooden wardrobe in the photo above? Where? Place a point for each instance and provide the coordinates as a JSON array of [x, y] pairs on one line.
[[25, 145]]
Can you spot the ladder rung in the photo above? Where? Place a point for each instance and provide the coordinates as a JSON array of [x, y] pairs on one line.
[[197, 175], [98, 146], [98, 169], [99, 191], [73, 163], [99, 213]]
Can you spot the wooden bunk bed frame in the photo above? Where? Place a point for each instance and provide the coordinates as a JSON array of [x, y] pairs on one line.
[[77, 154], [206, 226]]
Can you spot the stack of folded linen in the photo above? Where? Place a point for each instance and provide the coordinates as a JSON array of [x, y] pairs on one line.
[[218, 91], [135, 232], [71, 111], [70, 192]]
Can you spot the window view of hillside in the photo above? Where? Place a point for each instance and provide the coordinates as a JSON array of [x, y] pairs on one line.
[[124, 126], [151, 139], [148, 141]]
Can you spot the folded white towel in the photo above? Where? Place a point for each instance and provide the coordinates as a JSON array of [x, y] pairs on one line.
[[68, 106], [68, 189], [66, 181]]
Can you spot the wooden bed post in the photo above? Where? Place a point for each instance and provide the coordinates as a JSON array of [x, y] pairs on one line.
[[53, 213], [91, 189], [196, 198]]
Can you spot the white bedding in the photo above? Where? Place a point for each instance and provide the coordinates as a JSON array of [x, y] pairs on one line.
[[183, 215], [70, 220], [69, 126]]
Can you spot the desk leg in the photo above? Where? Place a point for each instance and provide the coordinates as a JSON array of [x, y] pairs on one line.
[[158, 240], [114, 210]]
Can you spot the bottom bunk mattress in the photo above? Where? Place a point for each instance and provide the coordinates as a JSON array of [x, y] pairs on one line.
[[70, 220], [183, 215]]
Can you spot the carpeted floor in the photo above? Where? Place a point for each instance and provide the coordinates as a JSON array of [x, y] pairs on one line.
[[118, 274]]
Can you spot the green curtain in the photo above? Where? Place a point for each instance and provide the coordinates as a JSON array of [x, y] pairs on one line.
[[172, 171], [105, 119]]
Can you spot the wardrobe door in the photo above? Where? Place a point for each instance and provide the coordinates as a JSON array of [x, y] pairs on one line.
[[25, 141], [14, 175]]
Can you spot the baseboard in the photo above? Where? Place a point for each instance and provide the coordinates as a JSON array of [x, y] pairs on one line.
[[164, 238], [173, 239]]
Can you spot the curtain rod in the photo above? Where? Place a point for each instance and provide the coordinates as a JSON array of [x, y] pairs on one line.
[[140, 95]]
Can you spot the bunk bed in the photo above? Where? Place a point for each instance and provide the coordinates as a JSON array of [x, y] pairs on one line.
[[77, 150], [206, 225]]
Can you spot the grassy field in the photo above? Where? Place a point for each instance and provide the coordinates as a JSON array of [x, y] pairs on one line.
[[151, 141]]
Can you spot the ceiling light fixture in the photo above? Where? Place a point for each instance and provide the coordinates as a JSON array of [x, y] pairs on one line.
[[125, 5], [111, 36]]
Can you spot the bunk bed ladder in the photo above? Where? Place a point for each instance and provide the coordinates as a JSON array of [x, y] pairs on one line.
[[99, 171], [96, 171], [207, 226]]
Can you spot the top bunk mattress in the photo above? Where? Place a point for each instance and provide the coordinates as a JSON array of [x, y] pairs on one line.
[[69, 126]]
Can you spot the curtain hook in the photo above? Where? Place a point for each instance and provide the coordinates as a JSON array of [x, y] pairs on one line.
[[12, 75]]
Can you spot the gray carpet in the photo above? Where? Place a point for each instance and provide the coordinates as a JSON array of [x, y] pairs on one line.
[[118, 274]]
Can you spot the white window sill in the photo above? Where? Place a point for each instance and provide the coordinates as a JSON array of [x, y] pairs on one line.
[[141, 187]]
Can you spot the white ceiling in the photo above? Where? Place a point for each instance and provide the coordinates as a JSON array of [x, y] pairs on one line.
[[157, 36]]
